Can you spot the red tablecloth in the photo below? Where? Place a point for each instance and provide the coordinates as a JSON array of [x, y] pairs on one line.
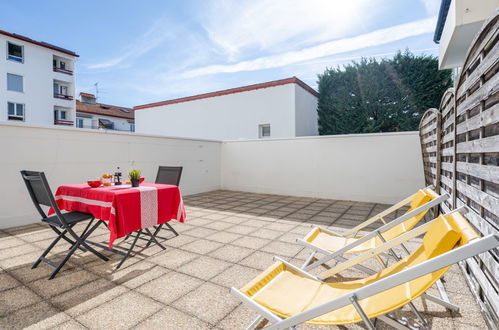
[[125, 208]]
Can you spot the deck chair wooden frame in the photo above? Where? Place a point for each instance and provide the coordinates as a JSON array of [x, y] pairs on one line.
[[61, 223], [339, 255], [471, 249]]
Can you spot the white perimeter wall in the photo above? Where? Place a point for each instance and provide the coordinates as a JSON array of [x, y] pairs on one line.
[[381, 168], [371, 167], [225, 117], [69, 155]]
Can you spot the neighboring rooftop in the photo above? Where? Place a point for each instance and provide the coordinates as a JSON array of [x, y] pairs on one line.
[[292, 80], [39, 43], [104, 109]]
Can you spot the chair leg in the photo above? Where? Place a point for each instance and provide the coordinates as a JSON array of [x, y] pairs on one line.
[[70, 241], [255, 323], [309, 259], [153, 238], [130, 249], [171, 228], [89, 248], [47, 250], [63, 262]]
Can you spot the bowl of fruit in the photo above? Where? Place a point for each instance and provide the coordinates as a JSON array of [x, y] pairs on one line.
[[94, 183], [107, 179]]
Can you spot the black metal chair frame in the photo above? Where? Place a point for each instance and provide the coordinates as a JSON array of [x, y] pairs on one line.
[[42, 195], [153, 236]]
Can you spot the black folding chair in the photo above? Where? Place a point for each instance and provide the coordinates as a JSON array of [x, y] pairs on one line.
[[166, 175], [61, 223]]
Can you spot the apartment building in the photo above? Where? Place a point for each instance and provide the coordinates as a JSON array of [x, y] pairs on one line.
[[275, 109], [37, 81], [90, 114]]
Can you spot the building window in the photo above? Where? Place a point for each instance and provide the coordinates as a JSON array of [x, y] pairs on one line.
[[62, 114], [14, 82], [15, 111], [15, 52], [132, 127], [264, 131], [79, 122]]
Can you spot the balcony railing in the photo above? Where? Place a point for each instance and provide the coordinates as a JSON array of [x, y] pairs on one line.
[[63, 96], [56, 69], [63, 122]]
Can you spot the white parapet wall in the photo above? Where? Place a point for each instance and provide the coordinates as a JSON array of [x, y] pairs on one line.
[[370, 167], [382, 168], [69, 156]]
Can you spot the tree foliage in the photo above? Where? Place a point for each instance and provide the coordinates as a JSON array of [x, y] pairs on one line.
[[380, 96]]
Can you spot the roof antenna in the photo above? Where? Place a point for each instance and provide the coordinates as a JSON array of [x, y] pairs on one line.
[[96, 91]]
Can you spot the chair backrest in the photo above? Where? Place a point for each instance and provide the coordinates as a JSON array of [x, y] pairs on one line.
[[169, 175], [419, 199], [38, 189]]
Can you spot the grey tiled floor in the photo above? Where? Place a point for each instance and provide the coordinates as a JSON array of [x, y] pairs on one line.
[[228, 238]]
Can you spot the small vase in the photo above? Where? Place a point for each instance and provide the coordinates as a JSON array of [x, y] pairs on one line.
[[135, 182]]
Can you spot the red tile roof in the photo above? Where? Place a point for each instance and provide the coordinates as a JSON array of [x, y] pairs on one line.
[[39, 43], [87, 95], [105, 110], [292, 80]]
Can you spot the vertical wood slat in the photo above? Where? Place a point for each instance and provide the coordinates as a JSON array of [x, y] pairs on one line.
[[468, 156], [429, 134]]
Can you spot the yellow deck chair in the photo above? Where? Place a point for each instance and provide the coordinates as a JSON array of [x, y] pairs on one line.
[[332, 245], [287, 295]]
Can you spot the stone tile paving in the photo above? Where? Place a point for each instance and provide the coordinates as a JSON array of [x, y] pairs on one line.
[[229, 237]]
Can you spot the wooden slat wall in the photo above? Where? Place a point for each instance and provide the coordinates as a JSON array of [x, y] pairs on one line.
[[447, 148], [430, 142], [468, 156]]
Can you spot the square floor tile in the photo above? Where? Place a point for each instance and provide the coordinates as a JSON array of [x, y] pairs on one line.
[[258, 260], [224, 237], [202, 246], [169, 287], [61, 283], [88, 296], [209, 302], [231, 253], [170, 318], [122, 312], [235, 276], [173, 259], [282, 248], [239, 318], [17, 298], [37, 316], [204, 268], [266, 233], [251, 242]]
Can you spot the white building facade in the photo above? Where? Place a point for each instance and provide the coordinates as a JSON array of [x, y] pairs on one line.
[[458, 23], [36, 81], [277, 109]]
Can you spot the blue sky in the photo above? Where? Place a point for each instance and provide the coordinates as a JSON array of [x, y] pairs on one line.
[[147, 51]]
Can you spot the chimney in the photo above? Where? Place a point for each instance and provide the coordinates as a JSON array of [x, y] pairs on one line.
[[87, 98]]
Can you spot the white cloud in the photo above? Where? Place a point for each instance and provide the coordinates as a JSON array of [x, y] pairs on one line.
[[432, 6], [265, 25], [375, 38], [157, 34]]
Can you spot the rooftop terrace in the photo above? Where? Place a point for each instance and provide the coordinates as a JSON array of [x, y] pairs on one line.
[[228, 239]]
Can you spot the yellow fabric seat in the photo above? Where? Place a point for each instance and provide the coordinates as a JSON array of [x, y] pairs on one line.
[[286, 292], [333, 243]]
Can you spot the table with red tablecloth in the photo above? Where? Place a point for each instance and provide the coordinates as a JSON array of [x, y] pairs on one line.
[[126, 209]]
